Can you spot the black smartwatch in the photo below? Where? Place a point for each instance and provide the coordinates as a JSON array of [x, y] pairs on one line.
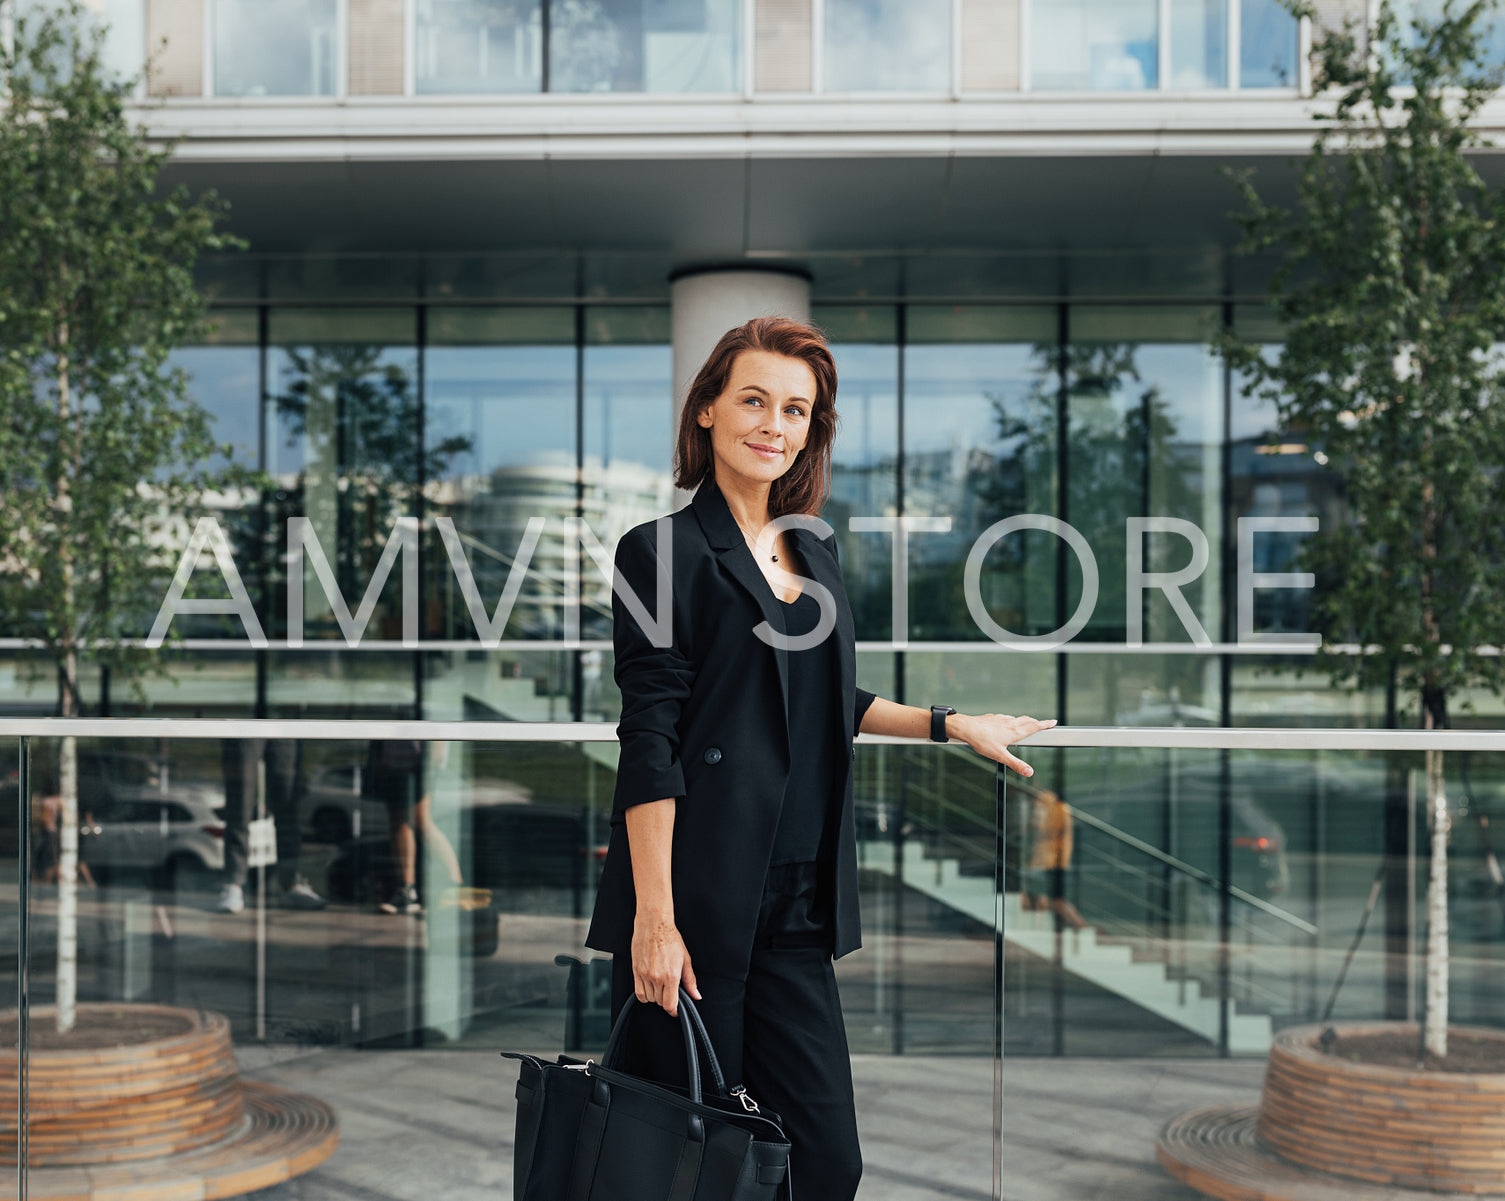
[[938, 715]]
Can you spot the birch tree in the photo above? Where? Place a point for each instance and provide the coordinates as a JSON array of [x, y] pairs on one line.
[[1391, 293], [101, 449]]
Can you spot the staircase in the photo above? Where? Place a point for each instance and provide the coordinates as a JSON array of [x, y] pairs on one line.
[[1109, 963]]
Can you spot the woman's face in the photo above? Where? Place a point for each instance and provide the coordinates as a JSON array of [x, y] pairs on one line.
[[761, 420]]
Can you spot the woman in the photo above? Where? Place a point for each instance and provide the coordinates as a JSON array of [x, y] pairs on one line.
[[732, 862]]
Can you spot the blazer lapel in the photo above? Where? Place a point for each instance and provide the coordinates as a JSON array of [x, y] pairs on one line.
[[726, 539], [821, 566]]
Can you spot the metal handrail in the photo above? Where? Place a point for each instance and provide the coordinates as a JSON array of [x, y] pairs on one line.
[[1196, 873], [1207, 738]]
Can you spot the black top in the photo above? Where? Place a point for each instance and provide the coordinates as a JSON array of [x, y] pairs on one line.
[[805, 831]]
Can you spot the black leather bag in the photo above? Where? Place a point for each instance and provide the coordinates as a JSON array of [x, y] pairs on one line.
[[589, 1132]]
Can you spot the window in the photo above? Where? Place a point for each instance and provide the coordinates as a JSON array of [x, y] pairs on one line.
[[124, 23], [1094, 45], [468, 46], [887, 46], [1115, 46], [1267, 45], [644, 45], [1199, 44], [274, 47]]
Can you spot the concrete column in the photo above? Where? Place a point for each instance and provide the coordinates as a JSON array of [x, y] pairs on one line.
[[708, 303]]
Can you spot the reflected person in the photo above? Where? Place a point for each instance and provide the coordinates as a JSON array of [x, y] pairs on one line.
[[396, 769], [731, 867], [239, 761]]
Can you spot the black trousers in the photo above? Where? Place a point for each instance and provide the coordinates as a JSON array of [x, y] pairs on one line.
[[778, 1031]]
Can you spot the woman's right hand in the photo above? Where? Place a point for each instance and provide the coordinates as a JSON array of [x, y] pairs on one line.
[[660, 963]]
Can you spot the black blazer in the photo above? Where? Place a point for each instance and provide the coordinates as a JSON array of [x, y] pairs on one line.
[[705, 721]]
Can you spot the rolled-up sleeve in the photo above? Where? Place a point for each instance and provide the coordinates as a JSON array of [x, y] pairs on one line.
[[654, 681]]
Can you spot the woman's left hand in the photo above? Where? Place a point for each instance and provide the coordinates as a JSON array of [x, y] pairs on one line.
[[992, 734]]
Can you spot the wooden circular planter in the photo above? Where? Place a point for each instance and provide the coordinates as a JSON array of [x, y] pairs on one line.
[[1330, 1127], [161, 1107]]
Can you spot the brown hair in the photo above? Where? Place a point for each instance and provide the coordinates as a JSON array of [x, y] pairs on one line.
[[803, 488]]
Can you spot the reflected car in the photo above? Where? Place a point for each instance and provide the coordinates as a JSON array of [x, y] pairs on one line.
[[177, 840], [137, 815]]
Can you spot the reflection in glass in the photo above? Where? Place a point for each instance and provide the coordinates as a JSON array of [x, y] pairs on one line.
[[1144, 439], [1094, 45], [864, 461], [1199, 44], [644, 45], [887, 46], [125, 28], [628, 439], [274, 47], [500, 410], [979, 432], [224, 377], [1267, 45], [342, 446], [470, 46]]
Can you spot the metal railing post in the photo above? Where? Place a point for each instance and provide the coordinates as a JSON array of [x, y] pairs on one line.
[[23, 957]]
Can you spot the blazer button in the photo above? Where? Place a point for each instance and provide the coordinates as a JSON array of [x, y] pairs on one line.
[[713, 754]]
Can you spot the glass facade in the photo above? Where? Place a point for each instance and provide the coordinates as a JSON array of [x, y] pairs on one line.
[[1158, 907], [496, 428], [274, 47], [1094, 931], [497, 47]]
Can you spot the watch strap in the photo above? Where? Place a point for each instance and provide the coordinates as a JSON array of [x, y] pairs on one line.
[[938, 715]]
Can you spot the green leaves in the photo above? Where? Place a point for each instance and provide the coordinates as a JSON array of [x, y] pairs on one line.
[[1391, 290], [101, 448]]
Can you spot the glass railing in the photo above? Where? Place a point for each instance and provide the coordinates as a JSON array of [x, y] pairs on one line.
[[1051, 968]]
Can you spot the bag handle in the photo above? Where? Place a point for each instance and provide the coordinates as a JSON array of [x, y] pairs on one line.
[[694, 1031]]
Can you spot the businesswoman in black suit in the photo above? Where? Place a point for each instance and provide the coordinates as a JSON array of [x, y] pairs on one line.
[[731, 866]]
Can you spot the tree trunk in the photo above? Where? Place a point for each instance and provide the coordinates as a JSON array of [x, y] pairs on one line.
[[1435, 1035], [67, 868], [67, 874]]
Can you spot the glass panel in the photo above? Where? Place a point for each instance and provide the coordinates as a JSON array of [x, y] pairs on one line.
[[887, 46], [342, 444], [1199, 44], [1094, 45], [1268, 36], [479, 46], [645, 46], [274, 47], [1145, 439], [980, 398], [500, 435], [629, 441], [864, 461], [340, 985]]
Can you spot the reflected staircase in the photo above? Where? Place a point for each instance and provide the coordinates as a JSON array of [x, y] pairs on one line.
[[1106, 961]]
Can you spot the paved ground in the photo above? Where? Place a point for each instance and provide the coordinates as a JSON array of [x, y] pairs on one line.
[[437, 1125]]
